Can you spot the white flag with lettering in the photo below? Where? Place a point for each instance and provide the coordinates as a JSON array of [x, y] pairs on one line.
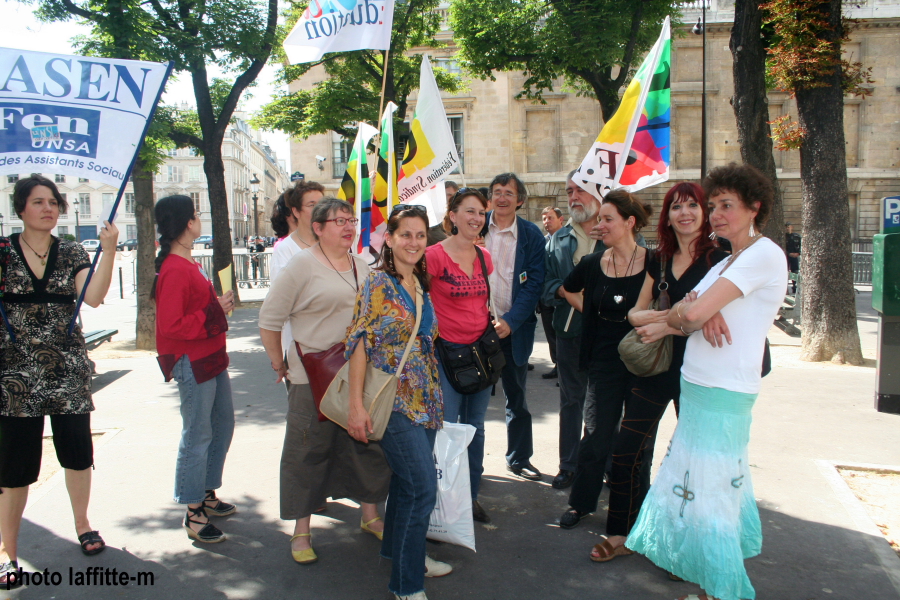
[[74, 115], [340, 26]]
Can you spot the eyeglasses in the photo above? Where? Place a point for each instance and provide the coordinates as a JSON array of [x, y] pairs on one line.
[[408, 207], [620, 300], [341, 221], [508, 195]]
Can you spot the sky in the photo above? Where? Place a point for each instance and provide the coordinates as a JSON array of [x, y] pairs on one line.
[[30, 34]]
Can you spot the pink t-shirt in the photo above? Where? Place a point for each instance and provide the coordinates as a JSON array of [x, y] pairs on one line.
[[459, 302]]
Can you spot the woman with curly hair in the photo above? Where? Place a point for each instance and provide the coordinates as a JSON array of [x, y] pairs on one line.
[[700, 520]]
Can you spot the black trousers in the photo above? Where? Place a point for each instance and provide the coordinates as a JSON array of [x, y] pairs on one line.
[[549, 332], [21, 446], [629, 478], [609, 386]]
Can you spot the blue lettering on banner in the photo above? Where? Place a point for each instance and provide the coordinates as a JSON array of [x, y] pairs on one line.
[[47, 128], [328, 23]]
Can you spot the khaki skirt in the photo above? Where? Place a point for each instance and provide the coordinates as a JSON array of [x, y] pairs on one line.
[[320, 460]]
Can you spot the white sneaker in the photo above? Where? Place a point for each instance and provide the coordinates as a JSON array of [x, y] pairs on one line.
[[436, 568], [416, 596]]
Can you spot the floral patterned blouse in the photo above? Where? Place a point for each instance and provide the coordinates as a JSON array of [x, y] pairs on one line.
[[45, 371], [384, 317]]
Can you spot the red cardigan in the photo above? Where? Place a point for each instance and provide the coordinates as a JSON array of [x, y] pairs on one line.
[[189, 320]]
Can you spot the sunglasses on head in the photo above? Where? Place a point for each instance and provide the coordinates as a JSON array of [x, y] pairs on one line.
[[398, 208], [464, 191]]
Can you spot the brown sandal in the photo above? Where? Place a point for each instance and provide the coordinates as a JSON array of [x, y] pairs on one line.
[[608, 552]]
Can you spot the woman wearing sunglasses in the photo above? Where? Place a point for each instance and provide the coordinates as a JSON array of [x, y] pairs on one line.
[[700, 520], [384, 320], [316, 292], [604, 287], [459, 287], [687, 252]]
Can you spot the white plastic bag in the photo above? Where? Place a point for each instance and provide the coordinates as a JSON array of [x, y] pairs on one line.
[[451, 520]]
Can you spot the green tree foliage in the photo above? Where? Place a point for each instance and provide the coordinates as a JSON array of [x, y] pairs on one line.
[[593, 45], [234, 35], [351, 89]]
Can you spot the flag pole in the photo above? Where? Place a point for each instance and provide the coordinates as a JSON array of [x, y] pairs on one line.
[[383, 82]]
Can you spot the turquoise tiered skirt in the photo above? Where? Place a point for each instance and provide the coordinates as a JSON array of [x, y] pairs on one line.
[[699, 520]]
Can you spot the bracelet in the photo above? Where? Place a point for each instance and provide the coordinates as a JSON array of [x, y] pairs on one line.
[[680, 318]]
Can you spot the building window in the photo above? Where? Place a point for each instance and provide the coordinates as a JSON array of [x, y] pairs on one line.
[[17, 230], [131, 232], [194, 173], [129, 203], [340, 155], [173, 174], [173, 152], [108, 200], [12, 207], [12, 178], [448, 64], [193, 152], [83, 180], [59, 178], [85, 204], [195, 196], [456, 127], [62, 230], [541, 141]]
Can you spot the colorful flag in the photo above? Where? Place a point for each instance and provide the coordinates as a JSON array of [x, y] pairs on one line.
[[385, 195], [356, 187], [632, 150], [340, 26], [430, 152]]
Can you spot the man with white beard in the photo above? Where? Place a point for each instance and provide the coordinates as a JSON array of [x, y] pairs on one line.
[[566, 248]]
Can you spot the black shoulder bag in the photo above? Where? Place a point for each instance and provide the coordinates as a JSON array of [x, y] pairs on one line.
[[476, 366]]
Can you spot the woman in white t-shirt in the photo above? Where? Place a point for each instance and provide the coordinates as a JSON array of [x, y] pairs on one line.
[[699, 520]]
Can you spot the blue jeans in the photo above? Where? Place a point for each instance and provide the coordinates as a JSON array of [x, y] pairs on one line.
[[470, 409], [207, 417], [519, 441], [409, 450]]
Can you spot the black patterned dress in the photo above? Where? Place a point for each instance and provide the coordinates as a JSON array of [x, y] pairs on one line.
[[45, 371]]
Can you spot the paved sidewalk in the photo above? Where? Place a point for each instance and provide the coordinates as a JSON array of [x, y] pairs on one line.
[[812, 547]]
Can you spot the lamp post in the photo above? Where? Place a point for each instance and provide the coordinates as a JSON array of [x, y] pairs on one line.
[[76, 203], [700, 29], [254, 187], [1, 224]]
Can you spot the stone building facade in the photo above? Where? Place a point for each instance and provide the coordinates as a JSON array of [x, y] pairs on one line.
[[495, 132], [245, 153]]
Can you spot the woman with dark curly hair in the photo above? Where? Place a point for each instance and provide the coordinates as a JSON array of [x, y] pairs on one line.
[[44, 370], [699, 520], [684, 254]]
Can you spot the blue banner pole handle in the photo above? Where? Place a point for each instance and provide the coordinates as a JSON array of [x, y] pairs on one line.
[[115, 208]]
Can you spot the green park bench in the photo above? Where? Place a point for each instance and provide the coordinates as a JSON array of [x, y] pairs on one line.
[[93, 339]]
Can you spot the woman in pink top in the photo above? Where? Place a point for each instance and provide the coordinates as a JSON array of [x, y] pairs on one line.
[[459, 293]]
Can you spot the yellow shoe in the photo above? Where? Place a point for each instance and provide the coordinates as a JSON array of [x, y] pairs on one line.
[[304, 557], [365, 527]]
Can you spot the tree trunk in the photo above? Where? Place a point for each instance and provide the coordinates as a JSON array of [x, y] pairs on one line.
[[751, 104], [829, 303], [145, 329], [218, 208]]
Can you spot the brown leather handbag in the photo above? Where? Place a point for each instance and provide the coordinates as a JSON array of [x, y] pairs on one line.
[[322, 367]]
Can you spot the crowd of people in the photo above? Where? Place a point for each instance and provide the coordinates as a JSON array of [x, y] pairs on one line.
[[439, 299]]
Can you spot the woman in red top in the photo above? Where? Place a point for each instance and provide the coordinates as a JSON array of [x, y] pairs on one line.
[[459, 293], [190, 340]]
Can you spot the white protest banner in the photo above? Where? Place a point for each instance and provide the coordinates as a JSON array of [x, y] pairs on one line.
[[75, 115], [340, 26], [430, 152]]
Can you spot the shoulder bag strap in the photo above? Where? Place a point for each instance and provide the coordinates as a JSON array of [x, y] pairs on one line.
[[415, 331], [487, 279]]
